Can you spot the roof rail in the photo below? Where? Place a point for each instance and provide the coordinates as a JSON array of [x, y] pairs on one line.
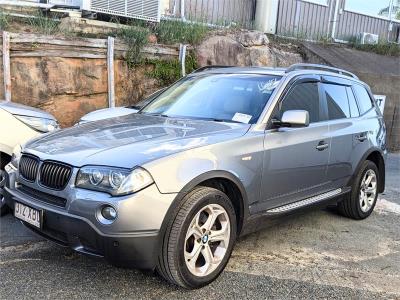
[[205, 68], [296, 67]]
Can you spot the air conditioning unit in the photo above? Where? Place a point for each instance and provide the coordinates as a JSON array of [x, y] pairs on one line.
[[149, 10], [369, 38], [64, 3]]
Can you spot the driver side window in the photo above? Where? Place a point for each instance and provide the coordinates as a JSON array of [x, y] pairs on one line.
[[304, 96]]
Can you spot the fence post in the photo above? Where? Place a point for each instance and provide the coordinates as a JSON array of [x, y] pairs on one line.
[[183, 10], [6, 66], [182, 58], [110, 71]]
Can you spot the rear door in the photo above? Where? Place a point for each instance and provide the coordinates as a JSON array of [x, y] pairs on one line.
[[347, 131], [295, 164]]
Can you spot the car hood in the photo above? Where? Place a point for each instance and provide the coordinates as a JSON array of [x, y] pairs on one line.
[[130, 140], [23, 110], [107, 113]]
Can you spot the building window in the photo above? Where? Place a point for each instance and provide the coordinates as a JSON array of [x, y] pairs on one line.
[[379, 8], [320, 2]]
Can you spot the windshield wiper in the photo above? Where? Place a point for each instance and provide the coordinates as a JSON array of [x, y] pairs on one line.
[[155, 114], [226, 120], [218, 120]]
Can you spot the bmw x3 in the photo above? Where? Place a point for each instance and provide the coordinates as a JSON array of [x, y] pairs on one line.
[[211, 158]]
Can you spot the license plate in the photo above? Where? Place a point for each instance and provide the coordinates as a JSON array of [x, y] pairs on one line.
[[28, 214]]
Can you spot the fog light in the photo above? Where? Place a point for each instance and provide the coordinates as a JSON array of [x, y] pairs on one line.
[[109, 213]]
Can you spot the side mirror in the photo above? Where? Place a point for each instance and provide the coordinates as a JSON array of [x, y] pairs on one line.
[[293, 118]]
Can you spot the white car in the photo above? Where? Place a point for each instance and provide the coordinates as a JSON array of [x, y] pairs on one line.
[[19, 124], [107, 113]]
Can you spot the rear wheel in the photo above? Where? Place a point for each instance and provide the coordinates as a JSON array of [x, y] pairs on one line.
[[362, 199], [199, 240]]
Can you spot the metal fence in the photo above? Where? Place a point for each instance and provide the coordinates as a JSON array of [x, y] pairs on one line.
[[216, 12], [308, 20]]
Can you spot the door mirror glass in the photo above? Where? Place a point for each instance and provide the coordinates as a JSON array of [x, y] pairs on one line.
[[295, 118]]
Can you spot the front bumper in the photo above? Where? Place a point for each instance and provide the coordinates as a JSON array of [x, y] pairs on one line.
[[131, 241]]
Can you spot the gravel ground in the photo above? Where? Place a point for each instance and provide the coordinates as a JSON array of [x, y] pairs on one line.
[[316, 254]]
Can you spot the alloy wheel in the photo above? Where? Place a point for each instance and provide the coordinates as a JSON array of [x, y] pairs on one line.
[[368, 189], [207, 240]]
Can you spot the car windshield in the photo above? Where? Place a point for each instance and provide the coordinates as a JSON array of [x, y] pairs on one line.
[[219, 97]]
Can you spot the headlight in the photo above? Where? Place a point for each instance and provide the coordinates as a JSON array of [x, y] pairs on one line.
[[115, 181], [39, 124]]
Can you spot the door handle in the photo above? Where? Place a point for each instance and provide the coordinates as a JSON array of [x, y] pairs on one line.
[[322, 146]]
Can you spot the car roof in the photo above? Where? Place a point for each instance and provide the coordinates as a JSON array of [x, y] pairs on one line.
[[240, 70], [296, 69]]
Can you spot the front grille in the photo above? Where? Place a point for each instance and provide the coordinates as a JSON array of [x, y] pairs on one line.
[[54, 175], [43, 197], [28, 167]]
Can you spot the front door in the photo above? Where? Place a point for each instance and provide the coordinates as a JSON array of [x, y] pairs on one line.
[[295, 159]]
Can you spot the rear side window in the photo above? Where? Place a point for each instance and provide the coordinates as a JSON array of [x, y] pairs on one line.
[[304, 96], [338, 104], [364, 100], [353, 103]]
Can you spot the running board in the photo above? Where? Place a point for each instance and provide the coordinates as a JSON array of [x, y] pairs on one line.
[[305, 202]]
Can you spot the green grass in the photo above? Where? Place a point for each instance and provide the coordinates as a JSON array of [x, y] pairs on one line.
[[172, 32], [42, 24], [169, 71], [136, 38], [4, 21], [383, 47]]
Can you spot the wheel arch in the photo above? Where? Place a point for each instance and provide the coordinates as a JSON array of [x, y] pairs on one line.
[[378, 158], [217, 179]]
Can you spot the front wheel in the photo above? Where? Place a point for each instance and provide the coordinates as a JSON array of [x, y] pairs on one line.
[[199, 241], [362, 199], [4, 209]]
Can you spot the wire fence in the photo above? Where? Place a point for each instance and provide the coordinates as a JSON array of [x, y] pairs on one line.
[[239, 13]]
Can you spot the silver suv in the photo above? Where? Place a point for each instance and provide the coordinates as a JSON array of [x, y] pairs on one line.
[[211, 158]]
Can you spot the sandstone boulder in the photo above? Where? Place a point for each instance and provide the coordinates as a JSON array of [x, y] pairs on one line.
[[244, 49], [252, 38]]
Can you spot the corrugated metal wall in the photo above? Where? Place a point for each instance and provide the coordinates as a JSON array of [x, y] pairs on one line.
[[350, 24], [302, 19], [217, 12]]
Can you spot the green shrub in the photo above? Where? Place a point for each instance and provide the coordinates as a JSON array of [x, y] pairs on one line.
[[4, 21], [136, 38], [44, 24], [169, 71], [383, 47], [171, 32]]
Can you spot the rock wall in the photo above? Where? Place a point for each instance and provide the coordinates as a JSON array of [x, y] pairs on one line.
[[71, 87], [245, 48]]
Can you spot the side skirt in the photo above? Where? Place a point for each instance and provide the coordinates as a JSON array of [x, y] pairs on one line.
[[275, 215], [303, 203]]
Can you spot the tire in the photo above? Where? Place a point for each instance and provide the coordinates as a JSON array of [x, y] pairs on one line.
[[195, 212], [4, 209], [355, 205], [4, 160]]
